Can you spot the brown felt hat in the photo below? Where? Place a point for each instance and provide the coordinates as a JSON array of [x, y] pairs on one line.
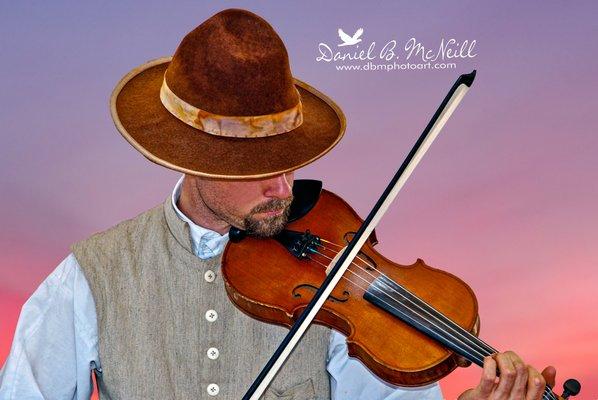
[[226, 105]]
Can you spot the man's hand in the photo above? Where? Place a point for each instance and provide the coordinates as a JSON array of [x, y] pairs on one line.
[[517, 380]]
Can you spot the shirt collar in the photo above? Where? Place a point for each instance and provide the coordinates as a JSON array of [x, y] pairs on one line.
[[206, 242]]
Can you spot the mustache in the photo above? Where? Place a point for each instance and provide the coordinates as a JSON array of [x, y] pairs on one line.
[[272, 205]]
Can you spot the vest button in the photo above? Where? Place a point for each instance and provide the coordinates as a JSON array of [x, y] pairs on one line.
[[209, 276], [213, 353], [213, 389], [211, 315]]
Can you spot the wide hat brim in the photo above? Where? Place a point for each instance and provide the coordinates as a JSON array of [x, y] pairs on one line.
[[147, 125]]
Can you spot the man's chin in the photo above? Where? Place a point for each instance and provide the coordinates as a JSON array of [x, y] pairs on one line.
[[266, 227]]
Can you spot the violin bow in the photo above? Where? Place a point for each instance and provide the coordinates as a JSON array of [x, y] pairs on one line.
[[439, 119]]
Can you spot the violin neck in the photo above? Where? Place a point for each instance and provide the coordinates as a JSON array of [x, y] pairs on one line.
[[409, 308]]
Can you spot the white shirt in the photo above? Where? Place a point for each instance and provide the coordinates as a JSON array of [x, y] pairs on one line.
[[55, 346]]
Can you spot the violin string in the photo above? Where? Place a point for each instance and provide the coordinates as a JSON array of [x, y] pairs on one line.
[[478, 357], [465, 350], [547, 395], [423, 305], [466, 335], [547, 391], [475, 344]]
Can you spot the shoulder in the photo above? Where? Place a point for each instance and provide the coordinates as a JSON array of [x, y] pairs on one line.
[[121, 234]]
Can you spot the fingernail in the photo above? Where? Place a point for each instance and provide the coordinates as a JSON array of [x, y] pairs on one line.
[[536, 381]]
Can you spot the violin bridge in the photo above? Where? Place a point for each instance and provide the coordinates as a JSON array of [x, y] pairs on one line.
[[334, 260]]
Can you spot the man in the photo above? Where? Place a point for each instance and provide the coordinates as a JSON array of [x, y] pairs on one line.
[[143, 304]]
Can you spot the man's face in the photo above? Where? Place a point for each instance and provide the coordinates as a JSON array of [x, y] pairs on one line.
[[260, 207]]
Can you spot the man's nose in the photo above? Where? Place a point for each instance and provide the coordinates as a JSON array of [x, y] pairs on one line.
[[278, 186]]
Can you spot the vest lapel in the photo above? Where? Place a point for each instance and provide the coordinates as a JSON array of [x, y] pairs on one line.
[[179, 228]]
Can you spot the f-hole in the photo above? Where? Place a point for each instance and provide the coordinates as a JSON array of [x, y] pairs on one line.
[[311, 288]]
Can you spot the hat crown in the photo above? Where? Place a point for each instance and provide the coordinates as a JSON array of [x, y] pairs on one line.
[[233, 64]]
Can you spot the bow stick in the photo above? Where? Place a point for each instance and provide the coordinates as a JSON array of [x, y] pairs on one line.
[[442, 114]]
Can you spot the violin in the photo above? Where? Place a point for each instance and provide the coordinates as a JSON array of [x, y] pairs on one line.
[[409, 324], [273, 279]]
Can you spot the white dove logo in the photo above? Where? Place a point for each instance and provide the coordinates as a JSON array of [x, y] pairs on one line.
[[350, 40]]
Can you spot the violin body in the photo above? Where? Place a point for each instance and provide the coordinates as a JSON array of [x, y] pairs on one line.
[[268, 282]]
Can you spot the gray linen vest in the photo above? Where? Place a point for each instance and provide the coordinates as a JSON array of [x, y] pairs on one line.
[[152, 299]]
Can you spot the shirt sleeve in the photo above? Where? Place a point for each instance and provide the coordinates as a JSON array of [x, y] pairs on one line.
[[55, 343], [350, 379]]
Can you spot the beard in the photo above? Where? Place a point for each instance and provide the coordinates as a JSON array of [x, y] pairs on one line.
[[268, 226]]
